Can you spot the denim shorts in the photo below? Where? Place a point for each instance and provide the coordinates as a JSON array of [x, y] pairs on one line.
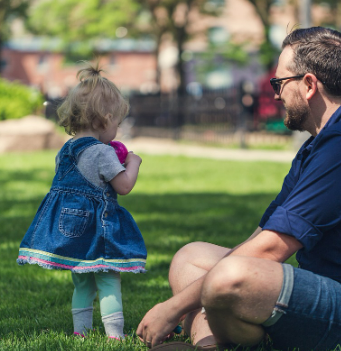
[[307, 315]]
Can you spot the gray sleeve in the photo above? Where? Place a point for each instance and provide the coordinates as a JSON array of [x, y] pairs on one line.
[[99, 164]]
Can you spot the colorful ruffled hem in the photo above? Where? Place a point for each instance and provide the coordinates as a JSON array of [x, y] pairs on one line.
[[51, 261]]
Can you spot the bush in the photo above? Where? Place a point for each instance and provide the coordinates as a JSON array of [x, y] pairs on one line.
[[18, 100]]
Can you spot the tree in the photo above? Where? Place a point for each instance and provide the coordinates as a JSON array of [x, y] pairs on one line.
[[172, 17], [10, 9], [267, 50], [79, 23], [335, 12]]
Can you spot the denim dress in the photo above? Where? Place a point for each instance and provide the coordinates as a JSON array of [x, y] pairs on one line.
[[80, 226]]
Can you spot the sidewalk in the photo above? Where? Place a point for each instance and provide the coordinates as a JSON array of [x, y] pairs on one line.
[[157, 146], [36, 133]]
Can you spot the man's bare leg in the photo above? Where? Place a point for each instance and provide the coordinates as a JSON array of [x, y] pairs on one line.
[[190, 263], [239, 294]]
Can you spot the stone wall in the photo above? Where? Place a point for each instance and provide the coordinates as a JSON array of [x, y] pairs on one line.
[[29, 133]]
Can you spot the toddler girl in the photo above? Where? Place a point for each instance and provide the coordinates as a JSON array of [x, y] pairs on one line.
[[79, 225]]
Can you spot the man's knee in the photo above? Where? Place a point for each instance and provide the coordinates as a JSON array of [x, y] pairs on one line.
[[200, 254], [183, 256], [225, 282], [180, 260], [192, 262], [187, 251]]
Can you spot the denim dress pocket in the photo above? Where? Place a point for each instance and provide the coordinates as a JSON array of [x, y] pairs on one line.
[[72, 222]]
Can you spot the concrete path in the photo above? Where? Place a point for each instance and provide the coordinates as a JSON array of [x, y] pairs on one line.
[[170, 147], [15, 134]]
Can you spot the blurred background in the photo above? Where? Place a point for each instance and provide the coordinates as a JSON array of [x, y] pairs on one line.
[[195, 70]]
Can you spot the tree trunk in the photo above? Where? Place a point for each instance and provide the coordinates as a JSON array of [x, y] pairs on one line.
[[2, 23], [181, 37], [158, 69]]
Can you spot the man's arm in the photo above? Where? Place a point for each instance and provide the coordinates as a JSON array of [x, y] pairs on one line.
[[253, 235], [162, 318], [269, 245]]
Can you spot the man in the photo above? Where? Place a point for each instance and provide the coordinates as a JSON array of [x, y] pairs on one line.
[[247, 292]]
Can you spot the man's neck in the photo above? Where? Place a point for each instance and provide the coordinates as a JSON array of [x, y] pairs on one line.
[[321, 115]]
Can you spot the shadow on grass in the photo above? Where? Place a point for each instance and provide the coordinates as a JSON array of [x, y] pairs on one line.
[[41, 174], [35, 300]]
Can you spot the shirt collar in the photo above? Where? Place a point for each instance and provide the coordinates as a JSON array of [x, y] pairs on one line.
[[333, 119], [309, 143]]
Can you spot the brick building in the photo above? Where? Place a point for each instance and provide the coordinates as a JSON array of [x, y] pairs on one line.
[[35, 62]]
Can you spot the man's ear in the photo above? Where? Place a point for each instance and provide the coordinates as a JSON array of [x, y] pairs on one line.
[[310, 83]]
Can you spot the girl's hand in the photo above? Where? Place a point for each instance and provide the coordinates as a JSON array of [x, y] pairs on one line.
[[124, 182], [131, 157]]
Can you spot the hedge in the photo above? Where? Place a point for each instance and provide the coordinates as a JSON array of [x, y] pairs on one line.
[[18, 100]]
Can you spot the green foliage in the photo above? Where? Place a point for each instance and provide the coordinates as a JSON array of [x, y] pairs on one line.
[[18, 100], [268, 52], [228, 51], [10, 9], [79, 23], [164, 14], [331, 3], [165, 19], [223, 55], [176, 200]]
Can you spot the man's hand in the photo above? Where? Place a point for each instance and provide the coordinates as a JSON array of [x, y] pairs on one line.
[[157, 324]]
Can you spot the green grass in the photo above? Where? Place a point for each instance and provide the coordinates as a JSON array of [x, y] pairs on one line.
[[176, 200]]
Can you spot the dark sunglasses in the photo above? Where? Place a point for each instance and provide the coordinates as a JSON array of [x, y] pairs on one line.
[[277, 82]]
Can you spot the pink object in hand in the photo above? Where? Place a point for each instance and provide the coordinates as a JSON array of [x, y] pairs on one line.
[[120, 149]]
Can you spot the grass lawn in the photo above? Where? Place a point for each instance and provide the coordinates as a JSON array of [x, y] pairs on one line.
[[176, 200]]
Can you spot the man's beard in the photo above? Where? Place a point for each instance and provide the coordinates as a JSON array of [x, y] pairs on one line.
[[296, 116]]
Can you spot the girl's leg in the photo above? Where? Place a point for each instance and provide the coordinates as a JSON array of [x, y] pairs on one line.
[[82, 301], [110, 298]]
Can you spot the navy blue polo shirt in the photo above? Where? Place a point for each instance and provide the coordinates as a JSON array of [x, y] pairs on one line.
[[309, 204]]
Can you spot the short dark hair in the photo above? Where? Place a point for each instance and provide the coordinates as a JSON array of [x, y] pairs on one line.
[[317, 50]]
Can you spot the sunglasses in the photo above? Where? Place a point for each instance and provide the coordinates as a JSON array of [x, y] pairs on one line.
[[277, 82]]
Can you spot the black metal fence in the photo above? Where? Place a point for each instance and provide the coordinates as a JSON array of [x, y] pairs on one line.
[[219, 112], [219, 108], [211, 116]]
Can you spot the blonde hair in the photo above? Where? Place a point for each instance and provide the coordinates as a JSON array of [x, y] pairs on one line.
[[89, 103]]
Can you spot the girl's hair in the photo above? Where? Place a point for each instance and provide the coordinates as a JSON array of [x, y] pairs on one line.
[[88, 104]]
